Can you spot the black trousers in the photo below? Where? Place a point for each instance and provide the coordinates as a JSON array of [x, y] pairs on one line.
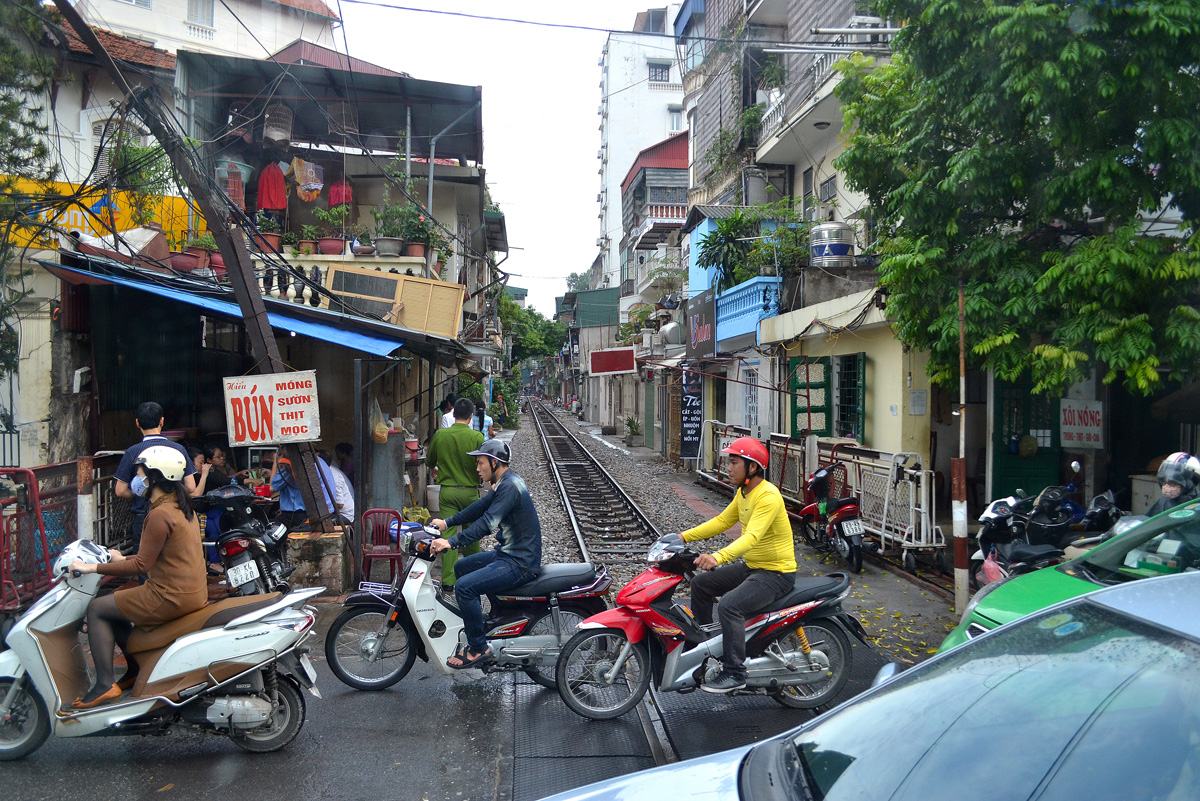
[[742, 592]]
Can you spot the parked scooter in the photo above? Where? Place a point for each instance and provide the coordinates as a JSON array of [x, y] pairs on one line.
[[235, 667], [832, 523], [373, 644], [797, 649], [253, 551], [1002, 550]]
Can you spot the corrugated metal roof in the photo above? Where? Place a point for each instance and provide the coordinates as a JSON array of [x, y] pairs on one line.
[[304, 52], [671, 153], [310, 6], [698, 213]]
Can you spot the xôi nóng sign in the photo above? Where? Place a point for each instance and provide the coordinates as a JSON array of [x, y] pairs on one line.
[[273, 408]]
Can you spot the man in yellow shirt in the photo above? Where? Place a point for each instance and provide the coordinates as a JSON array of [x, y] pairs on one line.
[[768, 572]]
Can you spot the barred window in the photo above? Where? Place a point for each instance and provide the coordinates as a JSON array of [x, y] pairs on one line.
[[660, 73]]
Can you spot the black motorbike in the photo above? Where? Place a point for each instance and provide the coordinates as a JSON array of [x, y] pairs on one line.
[[253, 550]]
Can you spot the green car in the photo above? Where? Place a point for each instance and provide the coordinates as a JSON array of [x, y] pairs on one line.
[[1166, 543]]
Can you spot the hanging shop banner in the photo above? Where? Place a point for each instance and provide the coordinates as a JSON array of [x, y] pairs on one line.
[[1081, 423], [272, 408], [702, 334], [614, 361], [691, 411]]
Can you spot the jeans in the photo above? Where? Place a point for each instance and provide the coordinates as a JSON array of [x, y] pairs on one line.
[[482, 574], [743, 592]]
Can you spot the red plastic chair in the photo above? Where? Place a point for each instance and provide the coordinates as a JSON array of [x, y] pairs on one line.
[[377, 541]]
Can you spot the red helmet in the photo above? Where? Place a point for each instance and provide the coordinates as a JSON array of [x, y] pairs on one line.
[[749, 448]]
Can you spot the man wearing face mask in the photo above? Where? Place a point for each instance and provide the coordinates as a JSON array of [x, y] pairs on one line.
[[131, 486], [1179, 479]]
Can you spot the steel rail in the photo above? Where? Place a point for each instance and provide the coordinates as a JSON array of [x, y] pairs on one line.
[[588, 469]]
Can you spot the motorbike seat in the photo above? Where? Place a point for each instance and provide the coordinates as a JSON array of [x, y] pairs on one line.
[[555, 578], [1031, 553], [808, 588], [211, 616], [832, 505]]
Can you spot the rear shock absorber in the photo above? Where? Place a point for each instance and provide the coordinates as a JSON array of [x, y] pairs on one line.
[[805, 648], [271, 684]]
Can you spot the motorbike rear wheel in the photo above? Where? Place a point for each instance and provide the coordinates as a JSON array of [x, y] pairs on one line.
[[355, 634], [571, 615], [824, 636], [851, 552], [283, 727], [580, 674], [28, 725]]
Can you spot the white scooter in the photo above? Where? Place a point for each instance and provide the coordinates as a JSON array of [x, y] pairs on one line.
[[234, 667]]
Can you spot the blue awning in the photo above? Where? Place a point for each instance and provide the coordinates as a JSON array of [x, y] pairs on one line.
[[338, 330]]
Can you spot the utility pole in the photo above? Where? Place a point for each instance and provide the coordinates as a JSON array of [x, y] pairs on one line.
[[958, 467], [237, 261]]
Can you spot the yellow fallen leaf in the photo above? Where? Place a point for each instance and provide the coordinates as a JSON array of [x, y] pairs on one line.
[[164, 787]]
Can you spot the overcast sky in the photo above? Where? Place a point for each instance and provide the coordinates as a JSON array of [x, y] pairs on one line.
[[540, 95]]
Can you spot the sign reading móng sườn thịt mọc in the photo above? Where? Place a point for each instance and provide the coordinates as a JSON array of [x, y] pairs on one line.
[[272, 408]]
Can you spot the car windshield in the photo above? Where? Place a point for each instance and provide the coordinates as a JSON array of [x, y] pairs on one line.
[[1062, 706], [1169, 543]]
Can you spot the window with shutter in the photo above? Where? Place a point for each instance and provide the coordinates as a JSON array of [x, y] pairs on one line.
[[849, 391], [104, 144], [200, 12], [810, 386]]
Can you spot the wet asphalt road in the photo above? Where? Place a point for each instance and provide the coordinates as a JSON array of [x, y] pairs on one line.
[[429, 737]]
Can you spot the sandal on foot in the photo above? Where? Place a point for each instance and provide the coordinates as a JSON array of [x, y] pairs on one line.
[[128, 680], [111, 694], [468, 659]]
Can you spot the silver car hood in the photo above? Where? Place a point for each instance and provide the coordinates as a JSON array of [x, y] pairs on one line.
[[713, 777]]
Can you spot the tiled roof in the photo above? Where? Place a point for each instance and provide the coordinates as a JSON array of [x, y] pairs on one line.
[[123, 48], [311, 6]]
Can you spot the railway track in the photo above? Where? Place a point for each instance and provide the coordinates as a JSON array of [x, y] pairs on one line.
[[608, 525]]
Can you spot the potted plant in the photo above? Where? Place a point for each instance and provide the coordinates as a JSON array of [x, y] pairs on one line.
[[387, 227], [333, 242], [289, 239], [268, 236], [309, 234], [204, 247], [362, 242], [416, 228], [633, 432]]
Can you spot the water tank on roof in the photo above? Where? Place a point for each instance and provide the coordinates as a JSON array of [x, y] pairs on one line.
[[831, 245]]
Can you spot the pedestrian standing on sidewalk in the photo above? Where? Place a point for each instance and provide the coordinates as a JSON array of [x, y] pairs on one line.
[[455, 471], [132, 487]]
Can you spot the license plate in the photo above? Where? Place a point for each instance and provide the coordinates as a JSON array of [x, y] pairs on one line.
[[309, 670], [237, 575], [852, 526]]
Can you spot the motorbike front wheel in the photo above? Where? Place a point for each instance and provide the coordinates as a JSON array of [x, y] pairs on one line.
[[583, 668], [28, 724], [808, 530], [571, 616], [353, 638], [850, 551], [282, 728], [826, 637]]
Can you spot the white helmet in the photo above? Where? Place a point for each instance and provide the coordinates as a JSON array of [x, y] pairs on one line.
[[166, 460]]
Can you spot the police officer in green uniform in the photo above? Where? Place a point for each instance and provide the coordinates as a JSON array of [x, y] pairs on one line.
[[455, 471]]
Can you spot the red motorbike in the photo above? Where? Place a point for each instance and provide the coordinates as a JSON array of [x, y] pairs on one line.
[[833, 523], [797, 649]]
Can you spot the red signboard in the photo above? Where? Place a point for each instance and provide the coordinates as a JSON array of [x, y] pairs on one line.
[[615, 361]]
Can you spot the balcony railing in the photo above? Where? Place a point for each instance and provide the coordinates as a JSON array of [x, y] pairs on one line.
[[740, 308], [772, 119]]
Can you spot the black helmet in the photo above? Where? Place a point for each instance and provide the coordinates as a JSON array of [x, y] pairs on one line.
[[494, 448]]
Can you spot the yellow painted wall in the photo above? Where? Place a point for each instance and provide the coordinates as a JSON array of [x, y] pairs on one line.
[[95, 213], [891, 376]]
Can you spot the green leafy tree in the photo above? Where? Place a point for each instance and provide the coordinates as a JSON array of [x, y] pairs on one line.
[[727, 248], [25, 74], [577, 282], [533, 335], [1044, 153]]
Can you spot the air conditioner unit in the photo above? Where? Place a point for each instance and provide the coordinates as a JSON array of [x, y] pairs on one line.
[[599, 197], [866, 24], [647, 340], [600, 242]]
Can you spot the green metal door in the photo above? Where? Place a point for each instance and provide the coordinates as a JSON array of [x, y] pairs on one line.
[[1022, 421], [648, 414]]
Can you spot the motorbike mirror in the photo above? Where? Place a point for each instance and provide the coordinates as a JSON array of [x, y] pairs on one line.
[[1076, 467], [1020, 493]]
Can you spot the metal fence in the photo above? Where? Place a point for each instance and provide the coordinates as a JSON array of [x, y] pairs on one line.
[[894, 493], [39, 516]]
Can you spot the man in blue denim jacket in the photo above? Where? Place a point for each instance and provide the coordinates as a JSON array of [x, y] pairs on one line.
[[517, 558]]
